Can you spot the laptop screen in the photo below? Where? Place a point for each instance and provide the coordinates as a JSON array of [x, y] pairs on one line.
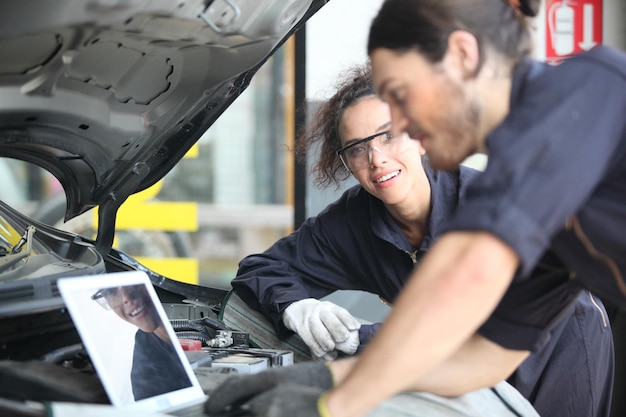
[[130, 341]]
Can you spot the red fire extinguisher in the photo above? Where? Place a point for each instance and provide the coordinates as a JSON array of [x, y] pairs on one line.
[[561, 27]]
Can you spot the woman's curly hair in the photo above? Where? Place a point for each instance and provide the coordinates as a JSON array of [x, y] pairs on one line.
[[353, 84]]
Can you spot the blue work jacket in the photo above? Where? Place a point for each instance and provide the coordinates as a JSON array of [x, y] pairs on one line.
[[555, 182], [353, 244]]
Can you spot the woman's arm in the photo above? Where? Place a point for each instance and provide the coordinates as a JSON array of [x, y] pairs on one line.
[[299, 266]]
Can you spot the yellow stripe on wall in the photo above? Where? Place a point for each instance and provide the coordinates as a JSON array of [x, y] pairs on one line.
[[179, 269], [158, 215]]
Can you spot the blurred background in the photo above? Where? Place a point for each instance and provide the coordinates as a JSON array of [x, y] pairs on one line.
[[240, 189]]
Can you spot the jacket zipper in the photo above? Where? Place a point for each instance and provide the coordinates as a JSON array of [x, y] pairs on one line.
[[574, 224], [593, 301], [413, 256]]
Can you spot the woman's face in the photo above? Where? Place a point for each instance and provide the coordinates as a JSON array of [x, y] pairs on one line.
[[430, 103], [133, 304], [391, 178]]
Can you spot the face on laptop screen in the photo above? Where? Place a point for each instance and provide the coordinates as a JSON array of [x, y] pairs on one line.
[[155, 367], [128, 337]]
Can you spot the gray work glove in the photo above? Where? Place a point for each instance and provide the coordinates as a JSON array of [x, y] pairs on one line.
[[241, 389], [287, 401], [324, 326]]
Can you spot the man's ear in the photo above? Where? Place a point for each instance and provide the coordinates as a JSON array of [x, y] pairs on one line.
[[463, 54]]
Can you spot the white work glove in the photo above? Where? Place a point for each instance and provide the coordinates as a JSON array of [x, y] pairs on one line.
[[351, 344], [323, 326]]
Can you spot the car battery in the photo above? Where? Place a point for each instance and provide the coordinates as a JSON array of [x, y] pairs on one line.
[[241, 360], [243, 363]]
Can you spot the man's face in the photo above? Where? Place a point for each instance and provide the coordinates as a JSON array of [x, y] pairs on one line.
[[430, 102]]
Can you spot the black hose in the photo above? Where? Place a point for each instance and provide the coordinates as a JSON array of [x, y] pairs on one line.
[[182, 325], [64, 353]]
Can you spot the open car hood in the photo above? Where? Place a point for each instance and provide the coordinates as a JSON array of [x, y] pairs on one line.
[[108, 95]]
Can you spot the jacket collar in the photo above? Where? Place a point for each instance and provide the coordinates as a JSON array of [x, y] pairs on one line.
[[444, 199]]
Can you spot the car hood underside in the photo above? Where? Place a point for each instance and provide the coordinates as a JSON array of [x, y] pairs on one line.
[[109, 95]]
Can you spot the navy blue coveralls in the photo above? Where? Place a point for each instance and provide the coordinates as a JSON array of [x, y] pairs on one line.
[[555, 189], [354, 244]]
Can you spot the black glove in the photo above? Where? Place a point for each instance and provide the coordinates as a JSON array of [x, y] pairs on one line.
[[288, 400], [240, 389]]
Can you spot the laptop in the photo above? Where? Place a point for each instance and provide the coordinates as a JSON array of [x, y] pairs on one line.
[[132, 344]]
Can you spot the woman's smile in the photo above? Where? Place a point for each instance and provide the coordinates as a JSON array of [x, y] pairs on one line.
[[387, 179]]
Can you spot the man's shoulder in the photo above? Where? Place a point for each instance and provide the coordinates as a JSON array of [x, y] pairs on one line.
[[467, 173], [604, 56]]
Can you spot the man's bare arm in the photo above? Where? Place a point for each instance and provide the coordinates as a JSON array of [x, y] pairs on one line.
[[479, 363], [455, 288]]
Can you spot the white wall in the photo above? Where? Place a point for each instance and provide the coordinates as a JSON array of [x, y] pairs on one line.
[[336, 39], [614, 28]]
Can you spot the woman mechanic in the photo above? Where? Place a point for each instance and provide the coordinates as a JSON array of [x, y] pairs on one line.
[[373, 235]]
